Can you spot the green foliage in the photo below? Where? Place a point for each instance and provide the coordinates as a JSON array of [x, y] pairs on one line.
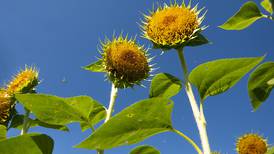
[[134, 124], [247, 15], [145, 149], [270, 150], [3, 132], [260, 84], [197, 41], [18, 120], [215, 77], [268, 5], [165, 85], [61, 111], [27, 144], [96, 67]]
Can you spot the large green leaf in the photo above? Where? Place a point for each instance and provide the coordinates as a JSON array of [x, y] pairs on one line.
[[134, 124], [3, 132], [164, 85], [61, 111], [27, 144], [268, 5], [95, 67], [215, 77], [247, 15], [270, 150], [259, 84], [18, 120], [145, 149]]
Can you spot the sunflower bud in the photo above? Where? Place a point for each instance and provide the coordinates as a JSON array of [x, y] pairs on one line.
[[125, 62], [24, 82], [172, 26], [251, 144]]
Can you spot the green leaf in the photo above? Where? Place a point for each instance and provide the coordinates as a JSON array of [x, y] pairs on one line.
[[197, 41], [247, 15], [215, 77], [145, 149], [270, 150], [268, 5], [3, 132], [18, 120], [61, 111], [27, 144], [96, 67], [132, 125], [164, 85], [259, 84]]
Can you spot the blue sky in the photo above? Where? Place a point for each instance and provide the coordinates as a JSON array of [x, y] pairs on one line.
[[60, 36]]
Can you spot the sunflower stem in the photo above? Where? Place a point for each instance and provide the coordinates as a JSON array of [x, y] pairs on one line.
[[196, 147], [113, 96], [198, 115], [26, 122]]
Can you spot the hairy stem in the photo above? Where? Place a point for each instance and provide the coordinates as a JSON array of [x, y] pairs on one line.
[[113, 96], [196, 147], [26, 122], [198, 115]]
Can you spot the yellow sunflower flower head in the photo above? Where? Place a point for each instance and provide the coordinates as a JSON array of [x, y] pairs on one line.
[[251, 144], [6, 103], [125, 62], [173, 26], [24, 82]]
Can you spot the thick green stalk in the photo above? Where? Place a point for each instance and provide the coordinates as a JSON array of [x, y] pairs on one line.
[[26, 122], [198, 115], [113, 96], [196, 147]]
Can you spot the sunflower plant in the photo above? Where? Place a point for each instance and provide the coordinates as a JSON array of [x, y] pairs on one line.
[[125, 63]]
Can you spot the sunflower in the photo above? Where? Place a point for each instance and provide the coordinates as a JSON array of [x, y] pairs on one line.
[[125, 62], [6, 103], [173, 26], [251, 144]]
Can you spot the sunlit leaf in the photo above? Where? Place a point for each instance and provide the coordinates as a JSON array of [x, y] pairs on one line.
[[247, 15], [132, 125], [145, 149], [268, 5], [95, 67], [27, 144], [259, 84], [3, 132], [270, 150], [61, 111], [165, 85], [215, 77], [18, 120]]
